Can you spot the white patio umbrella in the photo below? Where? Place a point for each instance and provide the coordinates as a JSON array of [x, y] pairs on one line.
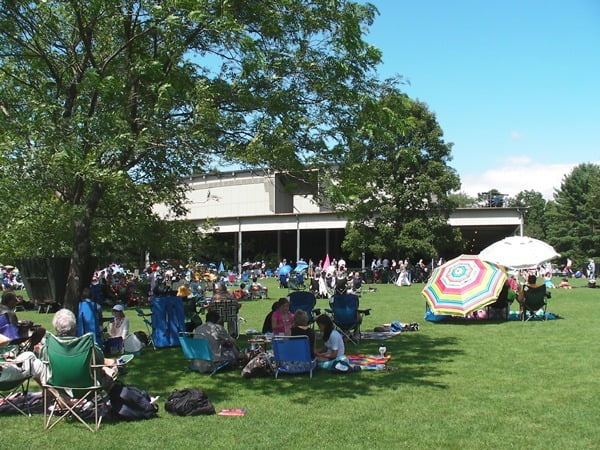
[[519, 252]]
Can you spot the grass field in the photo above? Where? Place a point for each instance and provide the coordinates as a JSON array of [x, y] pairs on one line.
[[476, 385]]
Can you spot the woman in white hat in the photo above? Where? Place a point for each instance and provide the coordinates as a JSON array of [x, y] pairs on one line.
[[119, 327]]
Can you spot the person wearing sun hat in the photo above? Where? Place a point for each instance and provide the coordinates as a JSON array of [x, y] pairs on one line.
[[119, 327]]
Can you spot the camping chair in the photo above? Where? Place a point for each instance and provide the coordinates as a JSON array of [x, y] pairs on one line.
[[293, 355], [198, 348], [305, 301], [89, 321], [140, 312], [73, 367], [9, 388], [534, 300], [346, 316]]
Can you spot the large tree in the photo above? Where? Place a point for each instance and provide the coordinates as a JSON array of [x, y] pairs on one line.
[[105, 104], [534, 211], [574, 221], [392, 179]]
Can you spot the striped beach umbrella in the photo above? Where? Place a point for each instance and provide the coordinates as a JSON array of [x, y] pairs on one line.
[[463, 285]]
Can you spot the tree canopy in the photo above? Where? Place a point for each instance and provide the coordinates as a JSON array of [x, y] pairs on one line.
[[535, 207], [392, 179], [574, 221], [105, 105]]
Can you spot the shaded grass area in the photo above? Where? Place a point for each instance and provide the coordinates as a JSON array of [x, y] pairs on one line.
[[486, 384]]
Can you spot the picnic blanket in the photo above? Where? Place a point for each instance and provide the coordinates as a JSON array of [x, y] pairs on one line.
[[368, 362], [378, 335]]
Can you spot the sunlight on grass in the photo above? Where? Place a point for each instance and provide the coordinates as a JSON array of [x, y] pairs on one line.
[[484, 385]]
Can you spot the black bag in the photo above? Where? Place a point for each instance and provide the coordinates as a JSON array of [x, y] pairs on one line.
[[189, 402], [131, 403]]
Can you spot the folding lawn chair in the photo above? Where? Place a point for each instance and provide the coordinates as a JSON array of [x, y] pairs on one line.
[[89, 320], [346, 316], [198, 348], [305, 301], [8, 388], [140, 312], [74, 369], [533, 301], [293, 355]]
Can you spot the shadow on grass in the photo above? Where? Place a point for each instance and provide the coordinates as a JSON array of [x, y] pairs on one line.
[[417, 359]]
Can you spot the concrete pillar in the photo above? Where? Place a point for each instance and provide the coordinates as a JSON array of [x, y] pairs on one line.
[[297, 237]]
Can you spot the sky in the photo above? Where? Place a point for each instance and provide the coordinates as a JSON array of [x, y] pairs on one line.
[[514, 84]]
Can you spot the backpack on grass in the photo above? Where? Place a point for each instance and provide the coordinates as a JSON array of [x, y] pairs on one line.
[[131, 403], [189, 402]]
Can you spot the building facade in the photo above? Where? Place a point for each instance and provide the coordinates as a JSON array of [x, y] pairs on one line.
[[272, 212]]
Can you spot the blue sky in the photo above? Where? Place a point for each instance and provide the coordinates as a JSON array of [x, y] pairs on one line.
[[515, 84]]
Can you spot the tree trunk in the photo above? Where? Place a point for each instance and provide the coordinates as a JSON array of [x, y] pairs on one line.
[[80, 268]]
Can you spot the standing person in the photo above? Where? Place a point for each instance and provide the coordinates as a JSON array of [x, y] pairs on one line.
[[591, 271], [282, 319], [227, 307], [89, 317]]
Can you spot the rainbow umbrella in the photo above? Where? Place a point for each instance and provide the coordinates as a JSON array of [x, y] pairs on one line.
[[463, 285]]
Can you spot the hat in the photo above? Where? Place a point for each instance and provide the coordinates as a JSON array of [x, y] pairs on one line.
[[118, 308]]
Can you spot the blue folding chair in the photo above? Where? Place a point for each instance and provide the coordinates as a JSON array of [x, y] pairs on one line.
[[292, 355], [305, 301], [198, 348], [346, 316], [89, 320]]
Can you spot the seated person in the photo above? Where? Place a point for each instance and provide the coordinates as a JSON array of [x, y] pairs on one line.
[[268, 323], [283, 281], [531, 283], [119, 327], [65, 327], [258, 288], [300, 328], [245, 293], [184, 291], [334, 343], [282, 318], [29, 336], [223, 347], [356, 282], [20, 364], [501, 307], [564, 284]]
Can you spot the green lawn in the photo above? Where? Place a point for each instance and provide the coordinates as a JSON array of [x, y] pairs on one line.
[[478, 385]]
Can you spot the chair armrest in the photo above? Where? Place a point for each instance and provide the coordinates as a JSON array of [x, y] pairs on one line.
[[366, 312]]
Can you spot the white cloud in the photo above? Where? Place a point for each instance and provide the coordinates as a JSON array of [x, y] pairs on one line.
[[516, 135], [516, 175]]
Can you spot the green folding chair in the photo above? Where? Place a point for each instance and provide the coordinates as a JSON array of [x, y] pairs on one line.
[[8, 388], [534, 300], [73, 381]]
